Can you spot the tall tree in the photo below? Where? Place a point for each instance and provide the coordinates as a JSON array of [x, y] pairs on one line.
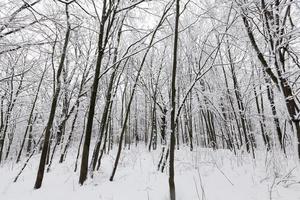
[[173, 105], [40, 174]]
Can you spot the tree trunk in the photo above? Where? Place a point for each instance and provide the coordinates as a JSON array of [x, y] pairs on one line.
[[173, 106], [40, 174]]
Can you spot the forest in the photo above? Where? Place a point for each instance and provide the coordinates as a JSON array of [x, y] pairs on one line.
[[150, 99]]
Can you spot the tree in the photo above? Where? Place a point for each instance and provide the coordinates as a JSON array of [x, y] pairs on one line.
[[173, 105], [45, 151]]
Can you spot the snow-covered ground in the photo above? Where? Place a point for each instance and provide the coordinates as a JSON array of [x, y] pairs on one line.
[[200, 175]]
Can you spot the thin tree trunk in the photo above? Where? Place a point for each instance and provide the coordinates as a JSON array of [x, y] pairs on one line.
[[173, 106], [40, 174], [162, 19], [265, 137], [92, 105], [105, 114]]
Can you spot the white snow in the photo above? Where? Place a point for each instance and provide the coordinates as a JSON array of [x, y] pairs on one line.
[[203, 174]]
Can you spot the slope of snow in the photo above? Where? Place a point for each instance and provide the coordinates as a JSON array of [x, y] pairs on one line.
[[200, 175]]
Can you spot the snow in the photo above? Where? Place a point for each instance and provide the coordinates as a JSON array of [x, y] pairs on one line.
[[203, 174]]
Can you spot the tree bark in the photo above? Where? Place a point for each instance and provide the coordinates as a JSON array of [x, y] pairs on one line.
[[40, 174]]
